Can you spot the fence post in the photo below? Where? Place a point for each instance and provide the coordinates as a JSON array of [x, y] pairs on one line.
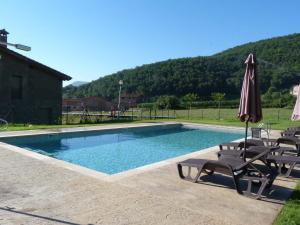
[[131, 113], [67, 117], [155, 114], [168, 114], [150, 114]]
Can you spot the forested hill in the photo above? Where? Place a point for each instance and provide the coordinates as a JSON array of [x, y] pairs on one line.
[[278, 68]]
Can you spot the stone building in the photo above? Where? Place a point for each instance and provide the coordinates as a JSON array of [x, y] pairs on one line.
[[30, 92]]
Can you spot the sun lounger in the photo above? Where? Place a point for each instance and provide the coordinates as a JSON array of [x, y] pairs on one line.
[[284, 163], [291, 131], [293, 128], [288, 140], [283, 150], [237, 168], [238, 147]]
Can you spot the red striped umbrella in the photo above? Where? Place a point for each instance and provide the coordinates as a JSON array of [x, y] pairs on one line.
[[250, 104]]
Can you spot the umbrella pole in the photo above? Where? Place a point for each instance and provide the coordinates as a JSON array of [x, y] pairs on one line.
[[245, 143]]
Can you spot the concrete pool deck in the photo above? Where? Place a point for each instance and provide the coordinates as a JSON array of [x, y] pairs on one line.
[[40, 191]]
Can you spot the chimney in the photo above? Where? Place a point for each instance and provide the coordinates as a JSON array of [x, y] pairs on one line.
[[3, 37]]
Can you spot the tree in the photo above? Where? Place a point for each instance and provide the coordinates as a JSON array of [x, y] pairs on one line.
[[167, 102], [278, 67], [188, 100], [218, 97]]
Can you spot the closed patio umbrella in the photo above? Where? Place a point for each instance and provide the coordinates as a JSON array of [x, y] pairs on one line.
[[296, 112], [250, 104]]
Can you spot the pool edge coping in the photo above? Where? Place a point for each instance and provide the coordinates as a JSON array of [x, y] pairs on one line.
[[114, 177]]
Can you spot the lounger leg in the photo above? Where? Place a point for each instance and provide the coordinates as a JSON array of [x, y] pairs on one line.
[[198, 175], [189, 172], [288, 173], [262, 188], [236, 181], [189, 177], [288, 170], [180, 173], [249, 187], [258, 195], [281, 168]]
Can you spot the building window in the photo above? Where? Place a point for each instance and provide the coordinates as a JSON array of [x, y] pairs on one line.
[[16, 87]]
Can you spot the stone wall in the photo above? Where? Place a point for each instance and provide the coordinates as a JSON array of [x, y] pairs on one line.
[[41, 92]]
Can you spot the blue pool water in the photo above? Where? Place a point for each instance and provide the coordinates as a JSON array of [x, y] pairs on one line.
[[123, 149]]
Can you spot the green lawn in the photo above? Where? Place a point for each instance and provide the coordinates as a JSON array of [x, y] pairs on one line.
[[18, 127], [290, 214], [280, 118]]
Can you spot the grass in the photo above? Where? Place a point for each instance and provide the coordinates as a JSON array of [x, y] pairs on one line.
[[290, 214], [19, 127], [280, 118]]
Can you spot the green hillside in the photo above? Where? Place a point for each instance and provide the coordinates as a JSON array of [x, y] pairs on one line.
[[278, 68]]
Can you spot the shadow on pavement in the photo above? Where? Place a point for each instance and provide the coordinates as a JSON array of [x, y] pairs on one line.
[[12, 210]]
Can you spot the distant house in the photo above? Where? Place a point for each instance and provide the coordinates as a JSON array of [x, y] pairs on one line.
[[96, 103], [72, 104], [30, 92], [93, 103]]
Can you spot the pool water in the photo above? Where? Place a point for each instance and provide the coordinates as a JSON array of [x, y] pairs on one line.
[[119, 150]]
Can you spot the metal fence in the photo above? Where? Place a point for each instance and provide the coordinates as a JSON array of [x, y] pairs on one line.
[[271, 114]]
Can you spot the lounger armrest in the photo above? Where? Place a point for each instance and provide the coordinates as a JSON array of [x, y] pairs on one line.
[[258, 157]]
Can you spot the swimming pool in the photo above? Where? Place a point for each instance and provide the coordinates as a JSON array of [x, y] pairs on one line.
[[115, 151]]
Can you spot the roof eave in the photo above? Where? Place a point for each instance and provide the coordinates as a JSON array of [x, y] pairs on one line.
[[58, 74]]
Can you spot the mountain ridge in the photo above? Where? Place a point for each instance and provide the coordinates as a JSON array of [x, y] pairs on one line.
[[78, 83], [278, 68]]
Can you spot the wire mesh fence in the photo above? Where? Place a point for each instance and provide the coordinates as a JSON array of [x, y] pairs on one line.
[[270, 114]]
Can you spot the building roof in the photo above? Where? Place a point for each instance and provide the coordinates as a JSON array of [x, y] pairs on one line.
[[76, 100], [41, 66]]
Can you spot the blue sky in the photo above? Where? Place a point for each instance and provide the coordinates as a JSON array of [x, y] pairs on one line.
[[88, 39]]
